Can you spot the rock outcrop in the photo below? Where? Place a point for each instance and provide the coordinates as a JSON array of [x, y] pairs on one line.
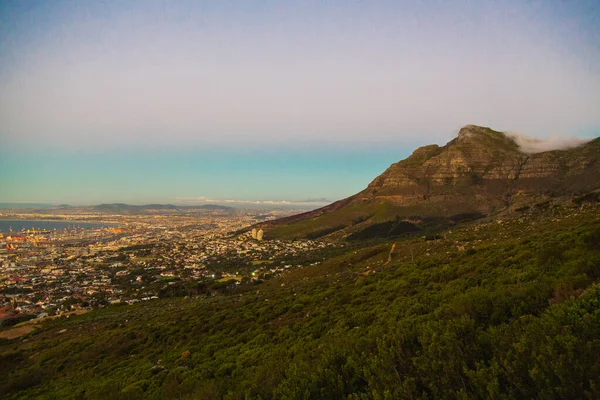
[[481, 159], [479, 172]]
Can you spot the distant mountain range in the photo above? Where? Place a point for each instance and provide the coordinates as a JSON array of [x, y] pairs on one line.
[[116, 207], [479, 173], [121, 207]]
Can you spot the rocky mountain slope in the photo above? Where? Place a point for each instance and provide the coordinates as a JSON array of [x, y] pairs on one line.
[[478, 173]]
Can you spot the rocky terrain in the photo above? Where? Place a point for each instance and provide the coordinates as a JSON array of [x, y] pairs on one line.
[[504, 303], [479, 173]]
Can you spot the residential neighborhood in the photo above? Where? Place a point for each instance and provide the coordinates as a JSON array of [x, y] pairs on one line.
[[137, 258]]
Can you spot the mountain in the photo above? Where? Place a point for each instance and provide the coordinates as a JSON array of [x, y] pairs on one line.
[[121, 207], [484, 310], [480, 172]]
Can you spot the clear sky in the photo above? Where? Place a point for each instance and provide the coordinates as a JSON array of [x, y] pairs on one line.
[[171, 101]]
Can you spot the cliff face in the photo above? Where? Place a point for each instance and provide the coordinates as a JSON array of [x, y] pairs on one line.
[[479, 172], [483, 160]]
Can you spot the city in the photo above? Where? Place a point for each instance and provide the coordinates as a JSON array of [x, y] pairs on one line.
[[138, 258], [265, 200]]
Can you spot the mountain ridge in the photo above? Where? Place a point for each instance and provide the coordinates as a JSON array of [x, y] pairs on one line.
[[479, 172], [122, 207]]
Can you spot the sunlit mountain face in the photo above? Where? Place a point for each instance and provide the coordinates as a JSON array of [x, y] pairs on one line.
[[299, 199]]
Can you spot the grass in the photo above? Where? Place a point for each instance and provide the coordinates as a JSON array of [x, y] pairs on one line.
[[262, 262], [228, 278]]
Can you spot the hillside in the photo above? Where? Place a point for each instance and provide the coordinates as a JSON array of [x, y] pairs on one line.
[[497, 309], [480, 172]]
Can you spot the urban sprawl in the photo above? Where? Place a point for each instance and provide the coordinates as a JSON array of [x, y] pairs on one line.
[[138, 258]]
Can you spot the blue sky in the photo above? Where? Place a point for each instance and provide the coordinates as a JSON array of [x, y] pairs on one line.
[[191, 176], [168, 101]]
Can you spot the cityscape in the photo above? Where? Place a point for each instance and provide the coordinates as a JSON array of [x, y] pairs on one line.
[[299, 200], [138, 258]]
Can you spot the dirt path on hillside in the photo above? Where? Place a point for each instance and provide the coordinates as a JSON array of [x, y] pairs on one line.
[[14, 333]]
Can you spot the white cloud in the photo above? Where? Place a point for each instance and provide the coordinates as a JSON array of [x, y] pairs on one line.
[[200, 200], [533, 145]]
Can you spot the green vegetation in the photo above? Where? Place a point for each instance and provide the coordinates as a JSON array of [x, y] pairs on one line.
[[493, 309], [479, 173], [17, 319], [357, 215], [385, 229]]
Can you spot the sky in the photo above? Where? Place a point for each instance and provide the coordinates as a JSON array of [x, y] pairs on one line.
[[196, 101]]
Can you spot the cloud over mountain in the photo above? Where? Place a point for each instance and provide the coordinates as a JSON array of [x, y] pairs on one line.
[[533, 145]]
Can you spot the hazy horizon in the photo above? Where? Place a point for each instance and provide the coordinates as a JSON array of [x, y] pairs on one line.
[[191, 202], [147, 102]]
